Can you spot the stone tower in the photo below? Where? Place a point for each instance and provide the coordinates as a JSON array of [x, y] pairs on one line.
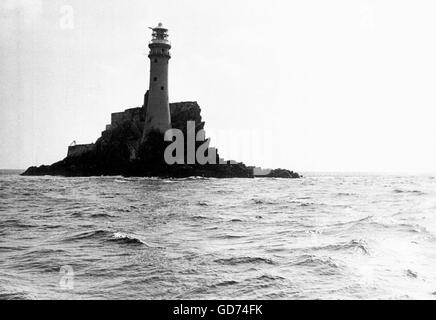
[[158, 117]]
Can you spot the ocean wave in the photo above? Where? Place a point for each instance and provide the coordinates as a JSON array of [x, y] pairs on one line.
[[96, 234], [244, 260], [223, 192], [346, 194], [225, 283], [77, 214], [35, 264], [229, 236], [268, 278], [15, 224], [315, 261], [359, 245], [399, 227], [15, 295], [415, 228], [15, 248], [211, 228], [417, 192], [193, 178], [44, 252], [128, 239], [199, 218], [411, 274], [306, 204], [101, 215], [105, 235], [352, 222], [263, 201]]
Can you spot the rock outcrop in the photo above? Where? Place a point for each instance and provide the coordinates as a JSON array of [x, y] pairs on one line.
[[279, 173], [119, 151]]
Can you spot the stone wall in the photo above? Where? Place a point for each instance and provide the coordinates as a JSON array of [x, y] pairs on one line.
[[131, 115], [80, 149]]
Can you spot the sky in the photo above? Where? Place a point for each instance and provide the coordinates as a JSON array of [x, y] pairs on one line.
[[305, 85]]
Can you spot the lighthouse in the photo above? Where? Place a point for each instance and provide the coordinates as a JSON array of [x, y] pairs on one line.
[[158, 117]]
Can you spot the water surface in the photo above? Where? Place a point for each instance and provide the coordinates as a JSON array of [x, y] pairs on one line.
[[321, 237]]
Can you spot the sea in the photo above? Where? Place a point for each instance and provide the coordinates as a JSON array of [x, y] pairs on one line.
[[325, 236]]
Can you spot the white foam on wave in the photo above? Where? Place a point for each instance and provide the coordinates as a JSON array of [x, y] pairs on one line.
[[132, 238]]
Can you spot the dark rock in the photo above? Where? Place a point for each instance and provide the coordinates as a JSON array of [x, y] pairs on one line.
[[119, 152], [280, 173]]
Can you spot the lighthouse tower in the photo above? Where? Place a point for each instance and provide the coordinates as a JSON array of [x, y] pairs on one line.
[[158, 117]]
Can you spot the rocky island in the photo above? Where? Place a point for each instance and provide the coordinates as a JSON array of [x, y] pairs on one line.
[[142, 141]]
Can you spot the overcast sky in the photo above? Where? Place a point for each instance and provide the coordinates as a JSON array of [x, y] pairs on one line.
[[306, 85]]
